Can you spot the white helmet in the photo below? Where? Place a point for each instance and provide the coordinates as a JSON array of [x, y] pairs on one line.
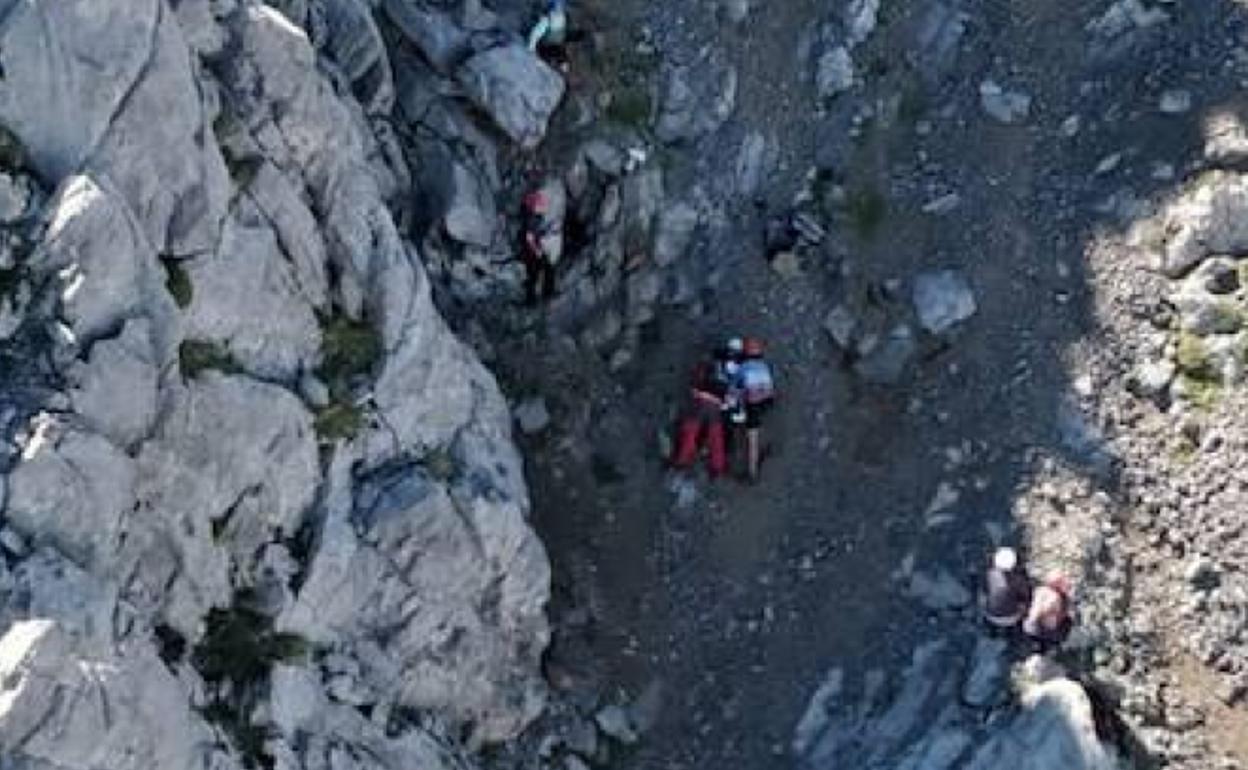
[[1005, 559], [735, 345]]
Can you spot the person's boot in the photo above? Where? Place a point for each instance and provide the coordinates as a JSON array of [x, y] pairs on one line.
[[752, 454]]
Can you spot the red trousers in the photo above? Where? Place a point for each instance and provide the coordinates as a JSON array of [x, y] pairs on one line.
[[701, 422]]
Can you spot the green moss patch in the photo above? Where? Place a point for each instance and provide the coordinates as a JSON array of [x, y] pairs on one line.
[[866, 209], [197, 356], [338, 421], [178, 282]]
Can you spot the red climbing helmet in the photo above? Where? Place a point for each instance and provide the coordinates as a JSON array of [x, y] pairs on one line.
[[535, 202], [752, 347]]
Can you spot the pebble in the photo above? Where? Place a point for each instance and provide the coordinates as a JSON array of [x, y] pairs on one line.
[[614, 722], [532, 416], [1175, 101]]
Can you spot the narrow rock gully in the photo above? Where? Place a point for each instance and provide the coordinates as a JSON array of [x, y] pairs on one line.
[[727, 603]]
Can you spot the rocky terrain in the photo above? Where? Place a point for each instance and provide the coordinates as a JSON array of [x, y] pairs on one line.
[[260, 506]]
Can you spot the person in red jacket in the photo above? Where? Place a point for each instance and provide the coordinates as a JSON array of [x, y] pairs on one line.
[[1050, 617], [703, 420], [540, 247]]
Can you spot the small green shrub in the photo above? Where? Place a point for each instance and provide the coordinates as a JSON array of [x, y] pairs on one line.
[[178, 282], [914, 103], [440, 464], [9, 281], [630, 106], [1200, 393], [240, 647], [349, 349], [246, 737], [196, 356], [234, 657], [1228, 317], [866, 209], [338, 421], [12, 152], [1193, 359]]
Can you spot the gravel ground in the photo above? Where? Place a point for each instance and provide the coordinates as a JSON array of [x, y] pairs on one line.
[[728, 602]]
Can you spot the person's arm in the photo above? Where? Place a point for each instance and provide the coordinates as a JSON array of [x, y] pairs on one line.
[[533, 242], [539, 31]]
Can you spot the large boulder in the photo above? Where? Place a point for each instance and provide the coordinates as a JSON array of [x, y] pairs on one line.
[[515, 88], [1205, 220], [247, 298], [442, 42], [115, 389], [356, 44], [919, 721], [109, 87], [73, 705], [103, 265], [439, 589], [696, 101], [232, 467], [942, 300], [68, 66], [1053, 728], [71, 490]]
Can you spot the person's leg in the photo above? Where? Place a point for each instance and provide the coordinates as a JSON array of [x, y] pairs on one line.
[[687, 441], [753, 439], [548, 279], [717, 455], [752, 452], [530, 283]]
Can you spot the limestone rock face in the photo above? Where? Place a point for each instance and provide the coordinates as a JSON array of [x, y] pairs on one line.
[[933, 718], [71, 704], [83, 81], [215, 204]]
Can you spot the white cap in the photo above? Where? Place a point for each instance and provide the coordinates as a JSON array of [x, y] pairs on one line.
[[735, 345], [1005, 559]]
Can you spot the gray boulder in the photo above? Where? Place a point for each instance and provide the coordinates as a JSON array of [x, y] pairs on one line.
[[311, 725], [355, 43], [938, 590], [16, 196], [439, 39], [73, 704], [115, 389], [109, 87], [458, 581], [942, 300], [985, 685], [532, 416], [60, 108], [917, 723], [861, 17], [1004, 106], [471, 217], [515, 88], [71, 490], [247, 299], [298, 234], [674, 232], [103, 265], [834, 74], [232, 467], [1205, 220], [696, 102], [884, 358], [1054, 728]]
